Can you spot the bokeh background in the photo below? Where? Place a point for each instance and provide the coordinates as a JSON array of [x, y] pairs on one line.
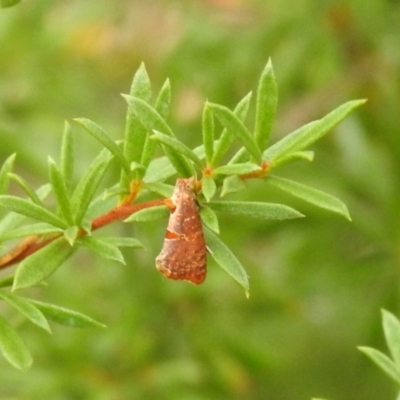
[[317, 284]]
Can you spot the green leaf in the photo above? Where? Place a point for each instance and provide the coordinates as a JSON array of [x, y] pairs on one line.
[[267, 101], [163, 101], [159, 170], [26, 188], [162, 189], [67, 156], [391, 327], [13, 348], [6, 168], [256, 209], [208, 187], [162, 106], [26, 308], [41, 264], [149, 117], [12, 220], [149, 214], [123, 242], [88, 185], [236, 169], [177, 147], [208, 133], [232, 184], [31, 210], [67, 317], [102, 248], [226, 259], [59, 186], [310, 133], [383, 361], [226, 138], [152, 120], [209, 219], [102, 136], [135, 132], [71, 234], [279, 150], [311, 195], [236, 127], [295, 156], [40, 228]]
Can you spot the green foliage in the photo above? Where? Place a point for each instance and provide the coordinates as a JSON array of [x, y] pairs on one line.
[[69, 226], [391, 367]]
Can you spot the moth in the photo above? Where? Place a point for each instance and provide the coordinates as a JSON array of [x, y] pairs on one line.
[[184, 252]]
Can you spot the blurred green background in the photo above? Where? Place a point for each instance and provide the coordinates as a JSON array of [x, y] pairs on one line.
[[317, 284]]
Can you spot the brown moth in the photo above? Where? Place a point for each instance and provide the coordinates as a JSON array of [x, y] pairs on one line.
[[184, 253]]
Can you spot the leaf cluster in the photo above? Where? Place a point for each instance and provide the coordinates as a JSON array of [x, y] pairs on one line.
[[231, 153]]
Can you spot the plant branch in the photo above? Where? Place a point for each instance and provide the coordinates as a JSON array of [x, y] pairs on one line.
[[34, 243]]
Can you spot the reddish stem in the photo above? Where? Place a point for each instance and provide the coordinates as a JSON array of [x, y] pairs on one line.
[[32, 244]]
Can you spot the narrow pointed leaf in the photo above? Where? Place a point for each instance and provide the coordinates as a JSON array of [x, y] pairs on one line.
[[60, 191], [209, 219], [307, 135], [149, 117], [163, 101], [42, 264], [267, 101], [256, 209], [88, 185], [135, 131], [40, 228], [13, 348], [391, 327], [149, 214], [67, 156], [31, 210], [162, 106], [295, 156], [383, 361], [236, 169], [208, 133], [177, 147], [26, 188], [236, 127], [5, 169], [311, 195], [208, 187], [26, 308], [283, 148], [66, 317], [223, 256], [226, 137], [102, 248], [102, 136], [123, 242], [13, 220]]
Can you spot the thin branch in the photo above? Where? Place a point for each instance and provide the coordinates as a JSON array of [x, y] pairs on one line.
[[34, 243]]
